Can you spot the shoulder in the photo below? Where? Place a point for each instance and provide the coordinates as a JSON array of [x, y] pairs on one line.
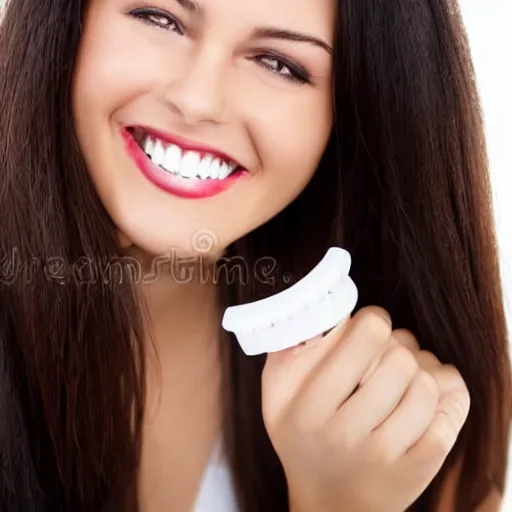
[[492, 502]]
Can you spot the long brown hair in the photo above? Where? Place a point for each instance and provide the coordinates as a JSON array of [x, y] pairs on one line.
[[403, 185]]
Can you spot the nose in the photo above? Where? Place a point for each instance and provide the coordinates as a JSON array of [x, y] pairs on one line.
[[199, 93]]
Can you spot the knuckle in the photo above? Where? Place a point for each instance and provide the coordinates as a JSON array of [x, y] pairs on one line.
[[376, 323], [449, 380], [454, 376], [403, 333], [442, 437], [457, 407], [464, 401], [406, 337], [427, 385], [403, 361], [428, 359]]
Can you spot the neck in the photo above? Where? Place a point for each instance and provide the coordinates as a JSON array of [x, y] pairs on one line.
[[182, 315], [184, 389]]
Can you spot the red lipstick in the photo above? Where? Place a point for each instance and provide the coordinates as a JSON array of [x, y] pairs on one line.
[[186, 188]]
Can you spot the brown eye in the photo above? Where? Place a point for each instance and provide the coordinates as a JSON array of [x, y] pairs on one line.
[[158, 18], [284, 68], [276, 66]]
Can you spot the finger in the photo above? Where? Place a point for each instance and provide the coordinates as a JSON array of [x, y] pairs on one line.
[[286, 372], [450, 416], [340, 371], [374, 401], [410, 420], [428, 361], [406, 339], [398, 337]]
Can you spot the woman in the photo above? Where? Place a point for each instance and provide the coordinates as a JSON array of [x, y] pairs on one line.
[[345, 123]]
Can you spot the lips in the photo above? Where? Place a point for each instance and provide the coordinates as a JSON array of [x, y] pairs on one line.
[[179, 167]]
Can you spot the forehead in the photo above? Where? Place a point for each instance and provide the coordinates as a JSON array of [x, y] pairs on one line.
[[314, 11]]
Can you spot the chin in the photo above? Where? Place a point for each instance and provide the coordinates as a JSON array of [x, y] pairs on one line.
[[153, 246]]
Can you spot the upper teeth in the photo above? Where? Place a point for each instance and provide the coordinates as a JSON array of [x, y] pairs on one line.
[[188, 164]]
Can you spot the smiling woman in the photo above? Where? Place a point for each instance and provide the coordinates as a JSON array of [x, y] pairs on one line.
[[210, 92], [154, 134]]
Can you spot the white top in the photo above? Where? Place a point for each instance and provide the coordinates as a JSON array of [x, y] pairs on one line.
[[216, 492]]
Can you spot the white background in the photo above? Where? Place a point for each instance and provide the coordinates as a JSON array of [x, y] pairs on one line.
[[489, 23]]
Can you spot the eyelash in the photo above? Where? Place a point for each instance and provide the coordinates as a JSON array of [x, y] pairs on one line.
[[151, 15], [296, 73]]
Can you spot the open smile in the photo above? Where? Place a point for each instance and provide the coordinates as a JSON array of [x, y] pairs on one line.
[[181, 167]]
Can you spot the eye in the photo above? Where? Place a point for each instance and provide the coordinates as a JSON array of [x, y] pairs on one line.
[[284, 68], [158, 18]]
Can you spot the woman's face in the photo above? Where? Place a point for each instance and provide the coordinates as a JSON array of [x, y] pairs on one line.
[[197, 115]]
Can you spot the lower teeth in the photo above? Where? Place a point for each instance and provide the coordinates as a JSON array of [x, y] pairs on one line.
[[184, 177], [179, 175]]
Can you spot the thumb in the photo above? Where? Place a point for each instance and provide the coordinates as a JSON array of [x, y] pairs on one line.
[[286, 371]]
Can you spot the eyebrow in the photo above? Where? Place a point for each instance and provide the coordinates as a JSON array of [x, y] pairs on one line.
[[268, 32], [190, 5], [289, 35]]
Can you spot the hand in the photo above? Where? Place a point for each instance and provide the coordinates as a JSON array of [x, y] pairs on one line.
[[361, 419]]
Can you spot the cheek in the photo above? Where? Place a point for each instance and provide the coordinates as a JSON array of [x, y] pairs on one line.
[[292, 139], [115, 67]]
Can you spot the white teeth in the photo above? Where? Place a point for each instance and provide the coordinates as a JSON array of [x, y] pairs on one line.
[[148, 146], [203, 170], [224, 171], [308, 317], [187, 164], [172, 161], [214, 169], [158, 154]]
